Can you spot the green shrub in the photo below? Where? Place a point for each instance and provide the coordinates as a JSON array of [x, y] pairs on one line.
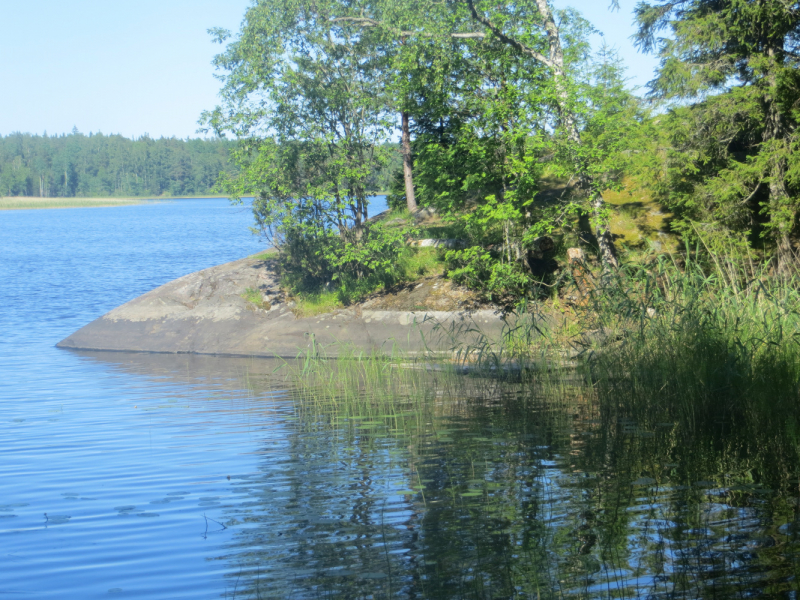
[[314, 262], [477, 269]]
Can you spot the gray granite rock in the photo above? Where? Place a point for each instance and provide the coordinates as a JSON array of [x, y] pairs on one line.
[[205, 313]]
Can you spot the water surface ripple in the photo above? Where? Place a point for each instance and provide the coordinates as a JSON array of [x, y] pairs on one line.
[[153, 476], [103, 470]]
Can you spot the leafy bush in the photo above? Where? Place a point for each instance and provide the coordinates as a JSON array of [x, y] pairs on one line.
[[313, 261], [478, 269]]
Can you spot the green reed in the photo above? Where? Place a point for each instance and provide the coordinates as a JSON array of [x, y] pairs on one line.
[[708, 345], [711, 345], [698, 345], [334, 384]]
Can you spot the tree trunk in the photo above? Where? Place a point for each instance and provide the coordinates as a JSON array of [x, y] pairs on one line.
[[555, 61], [783, 215], [605, 243], [782, 211], [408, 172]]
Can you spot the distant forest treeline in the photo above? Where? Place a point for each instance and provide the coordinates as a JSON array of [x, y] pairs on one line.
[[98, 165], [109, 165]]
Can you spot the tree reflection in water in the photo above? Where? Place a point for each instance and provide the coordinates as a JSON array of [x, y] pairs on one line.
[[497, 491]]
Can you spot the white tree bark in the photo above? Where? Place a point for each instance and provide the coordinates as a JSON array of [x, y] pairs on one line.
[[555, 61]]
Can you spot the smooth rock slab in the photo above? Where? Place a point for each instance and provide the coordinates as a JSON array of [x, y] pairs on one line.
[[204, 313]]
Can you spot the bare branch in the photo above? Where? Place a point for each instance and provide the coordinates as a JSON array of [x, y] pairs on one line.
[[753, 193], [367, 22], [479, 35], [519, 46]]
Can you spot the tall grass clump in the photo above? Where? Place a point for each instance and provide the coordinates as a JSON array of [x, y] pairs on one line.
[[705, 344], [532, 355], [376, 387], [699, 346]]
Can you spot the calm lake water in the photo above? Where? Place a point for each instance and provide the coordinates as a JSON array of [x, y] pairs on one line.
[[149, 476]]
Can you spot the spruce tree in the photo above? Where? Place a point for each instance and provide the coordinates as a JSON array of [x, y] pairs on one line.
[[737, 60]]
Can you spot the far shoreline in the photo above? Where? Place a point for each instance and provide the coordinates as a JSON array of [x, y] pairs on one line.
[[39, 203]]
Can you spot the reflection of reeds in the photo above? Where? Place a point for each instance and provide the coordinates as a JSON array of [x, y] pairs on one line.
[[357, 385]]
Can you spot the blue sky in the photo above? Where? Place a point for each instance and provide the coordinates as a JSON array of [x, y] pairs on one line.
[[144, 66]]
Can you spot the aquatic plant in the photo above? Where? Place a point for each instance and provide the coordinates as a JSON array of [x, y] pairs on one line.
[[351, 384], [699, 345], [630, 450]]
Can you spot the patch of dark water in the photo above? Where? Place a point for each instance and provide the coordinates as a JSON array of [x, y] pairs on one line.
[[498, 493]]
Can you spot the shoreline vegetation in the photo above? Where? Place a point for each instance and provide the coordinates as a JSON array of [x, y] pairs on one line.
[[705, 353], [523, 155], [32, 202]]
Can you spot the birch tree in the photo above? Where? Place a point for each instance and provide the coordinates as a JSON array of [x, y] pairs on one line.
[[526, 27]]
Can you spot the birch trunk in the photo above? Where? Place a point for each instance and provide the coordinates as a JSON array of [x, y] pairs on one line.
[[555, 61], [408, 172]]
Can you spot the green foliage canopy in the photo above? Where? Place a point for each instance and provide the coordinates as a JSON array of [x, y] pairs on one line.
[[305, 95], [731, 161], [497, 94]]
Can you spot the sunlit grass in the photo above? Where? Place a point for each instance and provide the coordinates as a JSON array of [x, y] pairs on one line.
[[421, 262], [309, 304]]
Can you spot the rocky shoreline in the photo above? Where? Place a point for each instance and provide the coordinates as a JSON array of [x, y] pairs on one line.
[[205, 313]]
